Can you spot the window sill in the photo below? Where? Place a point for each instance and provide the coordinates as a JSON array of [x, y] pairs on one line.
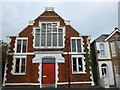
[[77, 53], [48, 47], [103, 56], [113, 55], [18, 73], [78, 72]]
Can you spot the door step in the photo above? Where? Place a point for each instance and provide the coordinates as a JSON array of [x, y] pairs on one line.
[[48, 85]]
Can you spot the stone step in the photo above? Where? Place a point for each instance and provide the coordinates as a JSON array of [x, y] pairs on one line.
[[48, 85]]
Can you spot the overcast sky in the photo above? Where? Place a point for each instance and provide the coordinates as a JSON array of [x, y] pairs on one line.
[[88, 18]]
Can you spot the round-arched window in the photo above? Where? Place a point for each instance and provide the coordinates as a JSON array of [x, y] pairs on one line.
[[104, 69], [102, 49]]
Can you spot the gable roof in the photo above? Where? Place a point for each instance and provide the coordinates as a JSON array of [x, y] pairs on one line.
[[101, 38], [51, 15], [105, 37], [48, 15], [115, 30]]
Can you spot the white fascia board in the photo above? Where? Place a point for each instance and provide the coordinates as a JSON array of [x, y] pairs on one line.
[[112, 34]]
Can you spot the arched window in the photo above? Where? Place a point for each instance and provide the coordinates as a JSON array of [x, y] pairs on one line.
[[104, 69], [102, 49]]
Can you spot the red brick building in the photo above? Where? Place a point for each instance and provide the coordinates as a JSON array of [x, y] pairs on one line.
[[49, 52]]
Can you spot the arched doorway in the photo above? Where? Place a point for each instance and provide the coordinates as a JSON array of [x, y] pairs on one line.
[[48, 71], [104, 70]]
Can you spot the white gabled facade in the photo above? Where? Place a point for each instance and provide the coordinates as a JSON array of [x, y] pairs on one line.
[[107, 50]]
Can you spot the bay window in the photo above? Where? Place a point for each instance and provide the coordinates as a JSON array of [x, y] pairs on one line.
[[49, 35]]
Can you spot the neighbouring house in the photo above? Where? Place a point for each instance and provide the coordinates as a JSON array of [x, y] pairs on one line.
[[49, 52], [3, 55], [106, 59]]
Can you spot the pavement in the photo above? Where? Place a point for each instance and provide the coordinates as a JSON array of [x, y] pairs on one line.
[[27, 88]]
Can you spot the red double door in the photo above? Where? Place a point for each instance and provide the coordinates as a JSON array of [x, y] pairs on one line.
[[48, 73]]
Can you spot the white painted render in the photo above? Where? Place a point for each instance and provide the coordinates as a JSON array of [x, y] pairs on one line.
[[109, 69], [107, 50]]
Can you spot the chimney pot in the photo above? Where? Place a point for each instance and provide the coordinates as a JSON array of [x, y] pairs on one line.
[[67, 22], [49, 8], [31, 22]]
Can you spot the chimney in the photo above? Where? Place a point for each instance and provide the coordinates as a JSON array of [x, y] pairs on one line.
[[49, 8], [67, 22]]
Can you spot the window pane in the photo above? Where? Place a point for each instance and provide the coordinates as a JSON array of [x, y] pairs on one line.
[[17, 65], [37, 30], [18, 46], [37, 40], [116, 68], [43, 39], [101, 46], [49, 39], [74, 65], [43, 27], [60, 38], [23, 65], [60, 30], [24, 46], [54, 29], [54, 39], [73, 45], [54, 25], [102, 71], [49, 27], [118, 44], [102, 49], [79, 45], [113, 48], [102, 52], [80, 64], [105, 71]]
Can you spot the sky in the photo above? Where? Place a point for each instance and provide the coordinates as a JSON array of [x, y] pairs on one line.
[[88, 18]]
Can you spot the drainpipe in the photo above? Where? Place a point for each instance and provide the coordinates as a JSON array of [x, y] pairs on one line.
[[68, 70], [67, 41]]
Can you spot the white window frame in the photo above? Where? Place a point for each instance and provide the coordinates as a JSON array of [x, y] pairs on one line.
[[49, 47], [21, 38], [14, 65], [82, 48], [113, 49], [118, 42], [116, 68], [83, 64], [100, 49]]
